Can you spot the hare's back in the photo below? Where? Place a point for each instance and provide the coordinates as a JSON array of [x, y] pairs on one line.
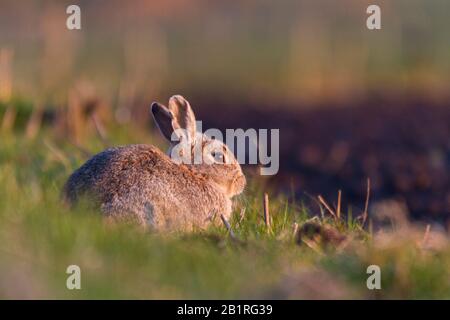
[[116, 170]]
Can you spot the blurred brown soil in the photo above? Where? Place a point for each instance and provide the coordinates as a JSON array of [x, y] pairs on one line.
[[402, 145]]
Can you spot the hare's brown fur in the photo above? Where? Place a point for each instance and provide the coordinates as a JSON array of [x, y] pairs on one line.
[[141, 183]]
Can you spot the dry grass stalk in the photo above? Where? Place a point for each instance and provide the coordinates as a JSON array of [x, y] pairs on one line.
[[426, 236], [295, 229], [86, 153], [34, 123], [266, 212], [74, 116], [228, 226], [242, 215], [59, 154], [366, 206], [371, 228], [325, 204], [338, 209], [8, 119], [101, 132], [6, 57], [314, 246]]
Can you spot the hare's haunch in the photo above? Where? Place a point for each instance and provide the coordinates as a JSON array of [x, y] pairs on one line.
[[142, 184]]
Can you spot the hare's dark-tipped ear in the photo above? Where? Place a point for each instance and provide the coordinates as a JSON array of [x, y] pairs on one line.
[[182, 111], [164, 119]]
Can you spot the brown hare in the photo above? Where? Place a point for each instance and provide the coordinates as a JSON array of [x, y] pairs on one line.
[[142, 184]]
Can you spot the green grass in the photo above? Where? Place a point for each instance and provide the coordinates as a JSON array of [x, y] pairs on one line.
[[39, 238]]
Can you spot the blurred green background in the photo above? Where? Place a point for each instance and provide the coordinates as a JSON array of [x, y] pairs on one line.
[[280, 52]]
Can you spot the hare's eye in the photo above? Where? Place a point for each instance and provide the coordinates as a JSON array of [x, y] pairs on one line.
[[218, 156]]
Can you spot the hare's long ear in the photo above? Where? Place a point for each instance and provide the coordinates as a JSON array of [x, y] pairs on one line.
[[165, 120], [184, 116]]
